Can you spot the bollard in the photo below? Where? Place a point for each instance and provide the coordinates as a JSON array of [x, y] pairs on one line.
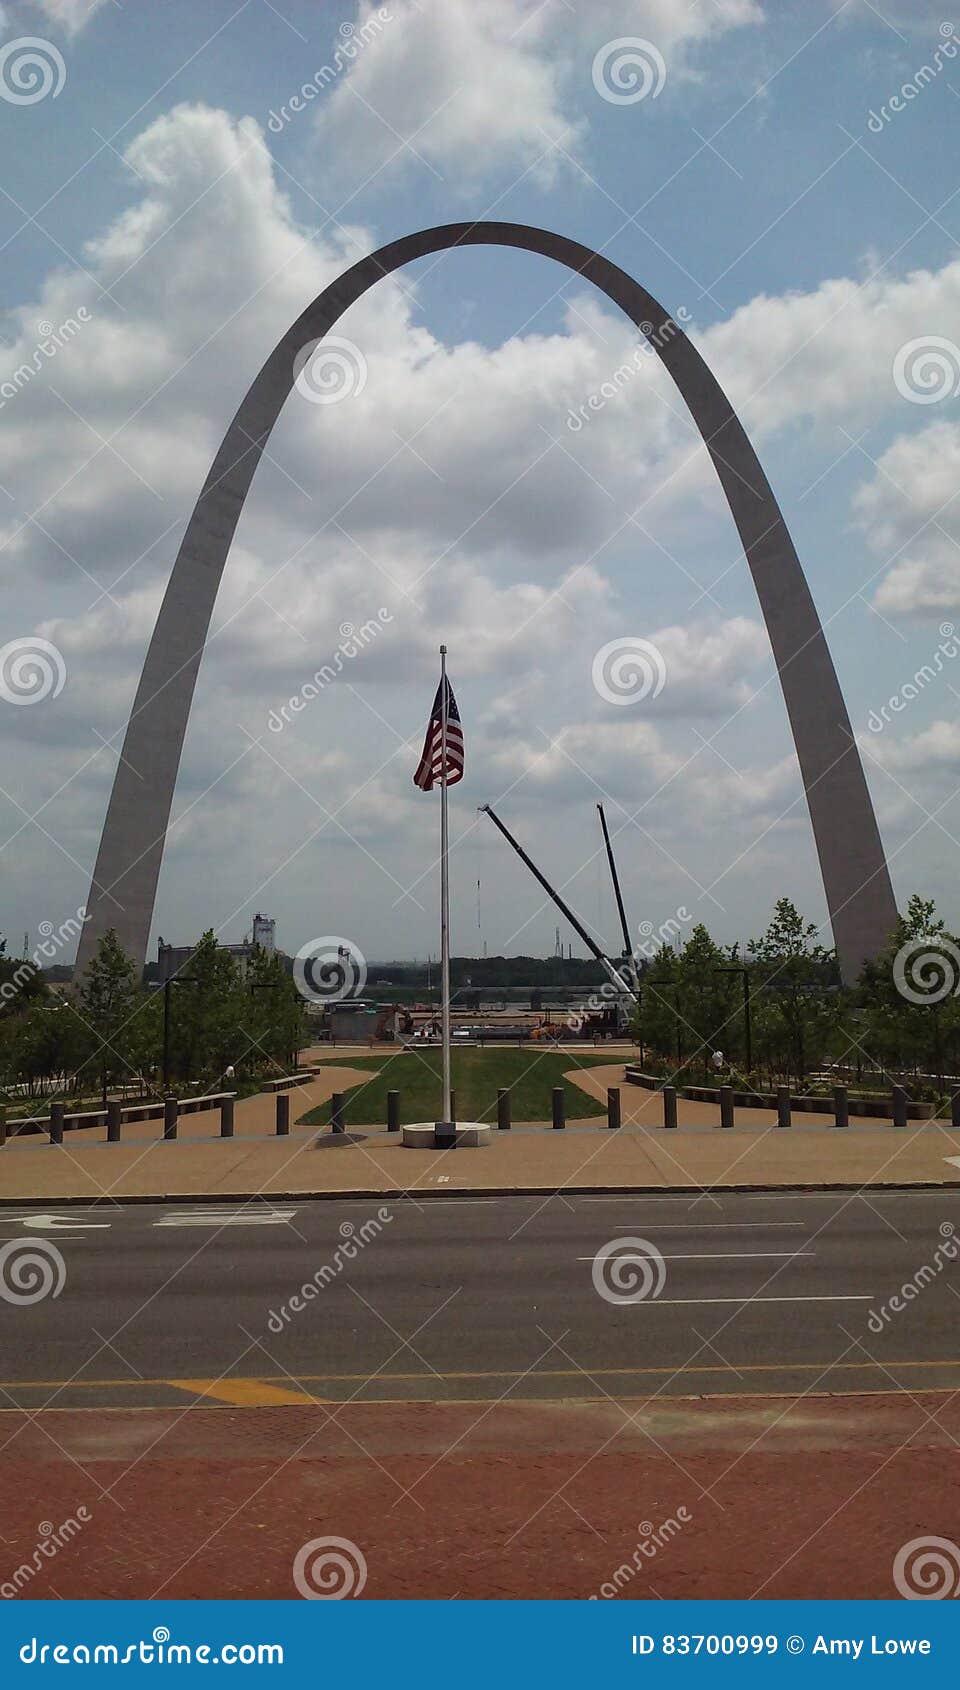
[[336, 1112], [283, 1114], [171, 1113], [669, 1106], [56, 1123], [114, 1118], [783, 1106], [841, 1110], [503, 1110], [613, 1106], [559, 1114], [3, 1125], [453, 1107], [393, 1111], [899, 1106], [726, 1106], [955, 1107], [226, 1118]]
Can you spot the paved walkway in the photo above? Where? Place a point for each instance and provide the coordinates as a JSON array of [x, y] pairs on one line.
[[532, 1158]]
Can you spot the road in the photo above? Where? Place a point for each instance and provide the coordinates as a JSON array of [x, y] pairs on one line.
[[457, 1299]]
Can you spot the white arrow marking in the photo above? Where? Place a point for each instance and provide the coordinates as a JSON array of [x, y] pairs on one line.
[[276, 1217], [60, 1223]]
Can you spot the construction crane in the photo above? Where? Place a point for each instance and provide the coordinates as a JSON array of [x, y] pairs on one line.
[[623, 986], [628, 956]]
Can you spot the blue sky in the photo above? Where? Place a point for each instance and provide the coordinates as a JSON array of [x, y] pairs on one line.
[[151, 204]]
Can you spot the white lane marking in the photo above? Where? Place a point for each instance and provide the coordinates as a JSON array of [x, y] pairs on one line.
[[275, 1217], [56, 1223], [714, 1226], [661, 1302], [725, 1256], [953, 1160]]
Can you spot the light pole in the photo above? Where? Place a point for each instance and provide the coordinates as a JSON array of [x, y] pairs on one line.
[[747, 1042], [174, 980]]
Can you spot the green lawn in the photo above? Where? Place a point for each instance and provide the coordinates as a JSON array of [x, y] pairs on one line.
[[477, 1074]]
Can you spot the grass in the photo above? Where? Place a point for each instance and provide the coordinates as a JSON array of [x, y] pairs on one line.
[[477, 1074]]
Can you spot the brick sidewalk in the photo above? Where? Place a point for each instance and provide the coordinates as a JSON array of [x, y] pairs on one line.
[[808, 1498]]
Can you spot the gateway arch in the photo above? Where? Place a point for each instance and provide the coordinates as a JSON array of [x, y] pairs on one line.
[[855, 875]]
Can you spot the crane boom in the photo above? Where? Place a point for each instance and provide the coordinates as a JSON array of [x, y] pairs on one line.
[[564, 908], [627, 946]]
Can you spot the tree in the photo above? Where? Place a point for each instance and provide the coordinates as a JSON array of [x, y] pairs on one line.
[[797, 994], [109, 1006], [908, 994]]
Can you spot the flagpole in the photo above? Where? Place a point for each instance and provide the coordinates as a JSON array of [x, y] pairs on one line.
[[444, 892]]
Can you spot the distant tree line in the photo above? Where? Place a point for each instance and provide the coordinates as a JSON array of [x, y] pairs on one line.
[[106, 1031]]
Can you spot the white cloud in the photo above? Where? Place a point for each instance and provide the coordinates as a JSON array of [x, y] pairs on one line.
[[474, 88], [70, 15], [911, 516]]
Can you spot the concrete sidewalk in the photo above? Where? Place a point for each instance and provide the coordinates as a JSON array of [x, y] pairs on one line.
[[533, 1158]]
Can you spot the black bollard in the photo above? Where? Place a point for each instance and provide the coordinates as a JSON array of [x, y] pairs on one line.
[[559, 1113], [114, 1119], [669, 1095], [503, 1110], [899, 1105], [226, 1118], [283, 1114], [613, 1106], [955, 1107], [726, 1106], [783, 1106], [56, 1123], [3, 1125], [336, 1112], [841, 1108], [171, 1114], [393, 1111]]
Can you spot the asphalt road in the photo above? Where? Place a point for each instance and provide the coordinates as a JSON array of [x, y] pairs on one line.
[[475, 1299]]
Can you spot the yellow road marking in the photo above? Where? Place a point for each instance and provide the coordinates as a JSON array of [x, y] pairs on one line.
[[503, 1373], [243, 1393]]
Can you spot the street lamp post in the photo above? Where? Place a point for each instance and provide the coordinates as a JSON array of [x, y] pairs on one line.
[[174, 980], [747, 1041]]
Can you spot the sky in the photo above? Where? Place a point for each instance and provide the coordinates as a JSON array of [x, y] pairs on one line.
[[178, 181]]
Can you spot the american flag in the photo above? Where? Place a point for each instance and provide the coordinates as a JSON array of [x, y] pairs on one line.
[[430, 767]]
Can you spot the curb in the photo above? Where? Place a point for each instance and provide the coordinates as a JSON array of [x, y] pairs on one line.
[[416, 1194]]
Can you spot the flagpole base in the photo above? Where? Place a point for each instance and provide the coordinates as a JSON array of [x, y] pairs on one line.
[[463, 1135]]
